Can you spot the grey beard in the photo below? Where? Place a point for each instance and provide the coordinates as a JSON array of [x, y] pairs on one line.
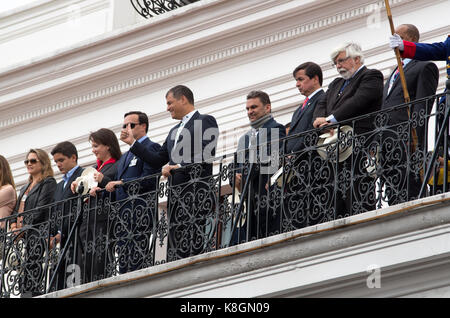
[[345, 74]]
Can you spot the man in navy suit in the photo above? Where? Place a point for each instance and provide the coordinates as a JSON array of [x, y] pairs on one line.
[[65, 155], [186, 157], [130, 167], [255, 150], [402, 181], [133, 228]]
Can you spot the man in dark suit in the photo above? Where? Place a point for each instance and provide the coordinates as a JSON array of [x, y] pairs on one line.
[[402, 181], [302, 190], [255, 150], [438, 51], [309, 78], [359, 91], [186, 157], [65, 155], [135, 227]]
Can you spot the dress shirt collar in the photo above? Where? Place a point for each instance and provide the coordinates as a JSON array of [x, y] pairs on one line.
[[314, 93], [187, 117], [69, 174], [140, 140]]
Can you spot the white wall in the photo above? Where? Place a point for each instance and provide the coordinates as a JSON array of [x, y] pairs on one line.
[[221, 49]]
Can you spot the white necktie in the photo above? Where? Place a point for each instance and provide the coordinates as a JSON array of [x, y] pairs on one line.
[[180, 128]]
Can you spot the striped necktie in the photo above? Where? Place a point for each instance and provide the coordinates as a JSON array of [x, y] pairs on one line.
[[305, 102]]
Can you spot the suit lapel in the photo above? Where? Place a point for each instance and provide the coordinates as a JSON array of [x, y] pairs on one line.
[[173, 131], [125, 163], [299, 113], [72, 178], [35, 188], [348, 90], [406, 70]]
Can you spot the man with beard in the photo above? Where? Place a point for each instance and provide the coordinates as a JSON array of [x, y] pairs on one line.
[[357, 92]]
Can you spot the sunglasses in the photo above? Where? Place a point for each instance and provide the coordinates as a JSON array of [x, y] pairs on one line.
[[132, 125], [32, 161]]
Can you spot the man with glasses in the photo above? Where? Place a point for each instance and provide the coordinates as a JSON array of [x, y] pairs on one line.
[[130, 166], [357, 92], [132, 227]]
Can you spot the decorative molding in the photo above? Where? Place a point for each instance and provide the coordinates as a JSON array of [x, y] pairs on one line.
[[200, 62], [22, 24]]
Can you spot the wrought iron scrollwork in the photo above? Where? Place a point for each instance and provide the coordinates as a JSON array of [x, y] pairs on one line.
[[151, 8], [158, 221]]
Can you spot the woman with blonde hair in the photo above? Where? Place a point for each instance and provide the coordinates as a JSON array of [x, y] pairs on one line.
[[7, 191], [33, 212], [38, 191]]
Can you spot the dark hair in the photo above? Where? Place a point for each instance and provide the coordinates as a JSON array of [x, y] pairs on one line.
[[181, 90], [311, 70], [65, 148], [263, 97], [412, 32], [143, 118], [108, 138]]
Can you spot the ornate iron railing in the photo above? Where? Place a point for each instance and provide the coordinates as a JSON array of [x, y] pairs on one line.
[[157, 222], [151, 8]]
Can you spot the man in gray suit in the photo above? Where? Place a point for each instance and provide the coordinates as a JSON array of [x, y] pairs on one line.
[[402, 181]]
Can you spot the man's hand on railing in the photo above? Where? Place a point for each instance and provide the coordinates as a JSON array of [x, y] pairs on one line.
[[111, 186], [54, 240], [238, 182], [167, 170], [93, 191], [321, 122]]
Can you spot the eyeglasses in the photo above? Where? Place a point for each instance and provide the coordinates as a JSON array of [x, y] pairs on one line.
[[32, 161], [132, 125], [340, 61]]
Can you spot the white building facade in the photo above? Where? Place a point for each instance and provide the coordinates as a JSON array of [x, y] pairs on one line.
[[71, 67]]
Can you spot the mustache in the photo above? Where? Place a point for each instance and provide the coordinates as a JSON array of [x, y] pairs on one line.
[[346, 74]]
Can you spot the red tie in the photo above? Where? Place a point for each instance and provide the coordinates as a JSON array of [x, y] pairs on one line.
[[305, 102]]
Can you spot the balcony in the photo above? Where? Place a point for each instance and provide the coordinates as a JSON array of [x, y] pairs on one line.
[[294, 219]]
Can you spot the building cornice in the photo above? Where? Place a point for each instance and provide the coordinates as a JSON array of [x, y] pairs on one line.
[[54, 74]]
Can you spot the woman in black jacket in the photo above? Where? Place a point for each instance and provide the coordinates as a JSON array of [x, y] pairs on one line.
[[93, 230], [31, 226]]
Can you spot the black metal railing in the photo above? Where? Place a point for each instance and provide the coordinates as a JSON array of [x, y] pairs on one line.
[[362, 169], [151, 8]]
